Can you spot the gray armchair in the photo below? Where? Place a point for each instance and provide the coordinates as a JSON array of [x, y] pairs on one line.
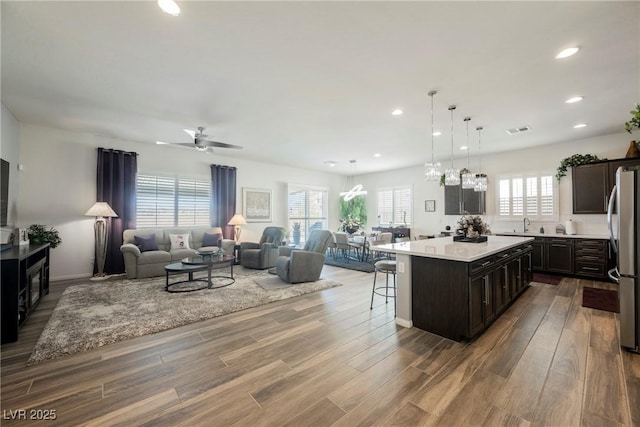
[[263, 254], [296, 266]]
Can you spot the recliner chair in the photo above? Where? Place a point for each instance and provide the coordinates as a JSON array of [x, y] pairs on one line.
[[296, 265], [263, 254]]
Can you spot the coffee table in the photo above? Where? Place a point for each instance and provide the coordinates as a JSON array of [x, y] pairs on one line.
[[202, 262]]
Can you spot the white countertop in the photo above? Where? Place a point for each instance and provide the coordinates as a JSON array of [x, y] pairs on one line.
[[569, 236], [446, 248]]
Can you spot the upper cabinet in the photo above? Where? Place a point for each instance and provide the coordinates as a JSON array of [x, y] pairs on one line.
[[458, 200], [592, 185]]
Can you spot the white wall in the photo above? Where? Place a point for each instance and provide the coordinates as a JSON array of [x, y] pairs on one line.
[[10, 151], [58, 185], [544, 158]]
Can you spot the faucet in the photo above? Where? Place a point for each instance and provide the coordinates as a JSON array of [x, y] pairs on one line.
[[525, 223]]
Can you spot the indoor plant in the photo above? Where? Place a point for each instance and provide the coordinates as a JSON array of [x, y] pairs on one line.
[[575, 160], [633, 150], [39, 234]]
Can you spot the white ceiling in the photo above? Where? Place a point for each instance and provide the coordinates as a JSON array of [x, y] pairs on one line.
[[306, 82]]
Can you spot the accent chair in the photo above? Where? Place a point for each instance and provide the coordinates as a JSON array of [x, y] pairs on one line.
[[263, 254], [304, 265]]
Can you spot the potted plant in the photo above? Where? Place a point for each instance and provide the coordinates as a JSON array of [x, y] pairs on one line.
[[39, 234], [633, 150], [575, 160]]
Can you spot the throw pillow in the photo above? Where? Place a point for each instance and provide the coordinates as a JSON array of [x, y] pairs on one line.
[[212, 239], [147, 243], [179, 241]]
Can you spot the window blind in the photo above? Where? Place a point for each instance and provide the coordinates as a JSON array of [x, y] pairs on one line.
[[307, 211], [395, 205], [533, 196]]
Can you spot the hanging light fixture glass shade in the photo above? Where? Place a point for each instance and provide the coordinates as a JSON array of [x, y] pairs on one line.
[[432, 169], [452, 175], [481, 179], [468, 178]]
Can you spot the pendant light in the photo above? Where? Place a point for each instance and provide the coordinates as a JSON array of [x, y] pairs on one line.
[[356, 190], [432, 170], [481, 179], [468, 178], [452, 175]]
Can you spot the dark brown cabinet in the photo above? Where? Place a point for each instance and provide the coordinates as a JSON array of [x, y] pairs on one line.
[[592, 185], [591, 257], [458, 201], [559, 255], [537, 256], [25, 280], [455, 299]]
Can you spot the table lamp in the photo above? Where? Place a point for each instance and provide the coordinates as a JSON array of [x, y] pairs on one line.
[[101, 210], [237, 221]]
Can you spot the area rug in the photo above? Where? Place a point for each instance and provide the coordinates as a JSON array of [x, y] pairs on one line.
[[352, 264], [96, 314], [549, 279], [600, 299]]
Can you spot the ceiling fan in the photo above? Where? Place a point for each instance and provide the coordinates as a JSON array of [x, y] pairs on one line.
[[201, 141]]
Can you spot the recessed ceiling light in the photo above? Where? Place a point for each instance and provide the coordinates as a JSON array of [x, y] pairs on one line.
[[330, 163], [437, 133], [377, 155], [160, 142], [169, 6], [580, 125], [567, 52], [464, 147], [397, 112], [573, 99]]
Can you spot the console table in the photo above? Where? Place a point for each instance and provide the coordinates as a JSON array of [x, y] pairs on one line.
[[397, 231], [25, 281]]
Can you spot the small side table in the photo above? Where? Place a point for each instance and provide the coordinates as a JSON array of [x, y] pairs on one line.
[[236, 253]]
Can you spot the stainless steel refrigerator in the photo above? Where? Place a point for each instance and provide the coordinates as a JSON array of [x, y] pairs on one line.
[[626, 197]]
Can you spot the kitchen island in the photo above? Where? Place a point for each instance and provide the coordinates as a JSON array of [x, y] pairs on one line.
[[455, 289]]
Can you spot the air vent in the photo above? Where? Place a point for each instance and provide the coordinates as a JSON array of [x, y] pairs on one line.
[[521, 129]]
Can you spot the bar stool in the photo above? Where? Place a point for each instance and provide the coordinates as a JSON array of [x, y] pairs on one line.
[[386, 266]]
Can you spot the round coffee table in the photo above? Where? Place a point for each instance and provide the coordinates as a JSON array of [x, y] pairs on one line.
[[203, 262]]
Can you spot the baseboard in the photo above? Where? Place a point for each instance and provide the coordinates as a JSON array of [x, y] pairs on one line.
[[70, 277], [404, 323]]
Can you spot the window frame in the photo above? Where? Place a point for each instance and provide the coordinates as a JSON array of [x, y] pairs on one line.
[[526, 204], [394, 210], [307, 222], [179, 195]]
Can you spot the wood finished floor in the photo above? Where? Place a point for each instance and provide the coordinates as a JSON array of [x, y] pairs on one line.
[[326, 359]]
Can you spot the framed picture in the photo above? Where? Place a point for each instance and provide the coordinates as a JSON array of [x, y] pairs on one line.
[[256, 203], [429, 205]]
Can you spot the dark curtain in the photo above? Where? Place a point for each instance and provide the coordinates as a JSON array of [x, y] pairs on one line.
[[116, 180], [223, 198]]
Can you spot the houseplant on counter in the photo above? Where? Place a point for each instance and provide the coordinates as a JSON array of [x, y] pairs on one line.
[[471, 229], [633, 150], [39, 234]]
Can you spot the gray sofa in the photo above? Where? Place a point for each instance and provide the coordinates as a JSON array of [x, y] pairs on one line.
[[139, 265]]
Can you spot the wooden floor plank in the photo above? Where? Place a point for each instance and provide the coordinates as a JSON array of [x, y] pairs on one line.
[[327, 359]]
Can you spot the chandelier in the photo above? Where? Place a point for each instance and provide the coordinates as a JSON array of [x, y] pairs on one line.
[[452, 175], [481, 179], [356, 190], [468, 178], [432, 170]]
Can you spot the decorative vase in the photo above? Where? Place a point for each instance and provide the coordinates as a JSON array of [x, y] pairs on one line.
[[633, 151]]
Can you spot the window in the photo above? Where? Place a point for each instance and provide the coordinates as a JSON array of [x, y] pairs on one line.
[[533, 196], [395, 206], [169, 201], [307, 207]]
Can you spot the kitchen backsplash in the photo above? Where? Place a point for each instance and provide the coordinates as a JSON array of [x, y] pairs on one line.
[[585, 224]]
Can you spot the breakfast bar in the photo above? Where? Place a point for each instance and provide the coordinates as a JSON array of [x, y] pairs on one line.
[[456, 289]]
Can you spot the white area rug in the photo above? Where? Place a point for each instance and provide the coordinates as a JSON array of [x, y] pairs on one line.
[[96, 314]]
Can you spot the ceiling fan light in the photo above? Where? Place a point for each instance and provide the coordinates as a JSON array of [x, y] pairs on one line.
[[169, 6]]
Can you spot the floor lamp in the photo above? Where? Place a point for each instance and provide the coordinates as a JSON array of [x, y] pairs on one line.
[[101, 210], [237, 220]]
